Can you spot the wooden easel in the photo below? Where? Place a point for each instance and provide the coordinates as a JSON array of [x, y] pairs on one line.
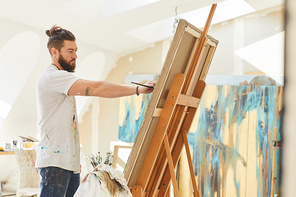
[[185, 107], [171, 131]]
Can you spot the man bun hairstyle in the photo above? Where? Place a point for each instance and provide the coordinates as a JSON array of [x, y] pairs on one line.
[[57, 35]]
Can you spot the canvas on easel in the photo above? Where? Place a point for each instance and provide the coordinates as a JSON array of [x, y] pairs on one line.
[[170, 111]]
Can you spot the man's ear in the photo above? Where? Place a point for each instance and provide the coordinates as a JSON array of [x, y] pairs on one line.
[[54, 51]]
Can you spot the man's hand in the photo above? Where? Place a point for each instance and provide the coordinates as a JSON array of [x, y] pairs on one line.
[[146, 90]]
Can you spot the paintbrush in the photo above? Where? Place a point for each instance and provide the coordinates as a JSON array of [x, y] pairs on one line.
[[142, 85]]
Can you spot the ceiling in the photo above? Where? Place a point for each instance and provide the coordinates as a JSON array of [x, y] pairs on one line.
[[123, 25]]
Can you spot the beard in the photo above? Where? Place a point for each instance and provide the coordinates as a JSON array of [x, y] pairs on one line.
[[67, 65]]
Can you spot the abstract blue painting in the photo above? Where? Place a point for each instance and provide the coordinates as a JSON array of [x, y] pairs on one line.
[[230, 138]]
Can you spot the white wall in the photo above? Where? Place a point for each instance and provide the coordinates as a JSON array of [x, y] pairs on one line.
[[242, 32]]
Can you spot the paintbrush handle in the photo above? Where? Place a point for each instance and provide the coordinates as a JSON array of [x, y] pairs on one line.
[[142, 85]]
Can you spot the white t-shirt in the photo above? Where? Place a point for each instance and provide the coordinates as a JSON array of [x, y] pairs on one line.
[[59, 144]]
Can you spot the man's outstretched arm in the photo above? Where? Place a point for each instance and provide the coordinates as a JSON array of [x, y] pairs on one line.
[[105, 89]]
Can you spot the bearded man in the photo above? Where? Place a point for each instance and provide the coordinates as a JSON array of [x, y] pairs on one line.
[[58, 150]]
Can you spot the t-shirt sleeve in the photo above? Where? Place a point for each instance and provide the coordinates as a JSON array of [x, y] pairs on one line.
[[60, 81]]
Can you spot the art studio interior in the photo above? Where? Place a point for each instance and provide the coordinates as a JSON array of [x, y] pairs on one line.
[[219, 122]]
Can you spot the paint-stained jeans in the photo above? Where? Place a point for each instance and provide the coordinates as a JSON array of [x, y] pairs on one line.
[[58, 182]]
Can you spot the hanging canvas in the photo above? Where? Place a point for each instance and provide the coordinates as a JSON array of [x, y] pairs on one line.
[[231, 141]]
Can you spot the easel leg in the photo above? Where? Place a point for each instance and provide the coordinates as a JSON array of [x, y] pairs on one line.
[[196, 193], [171, 165]]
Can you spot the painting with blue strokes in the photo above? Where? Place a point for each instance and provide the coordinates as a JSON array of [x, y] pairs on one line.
[[132, 110], [230, 139], [232, 144]]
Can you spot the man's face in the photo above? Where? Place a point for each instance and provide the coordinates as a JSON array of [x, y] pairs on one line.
[[68, 56]]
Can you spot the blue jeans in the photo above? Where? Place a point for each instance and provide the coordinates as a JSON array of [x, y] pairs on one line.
[[58, 182]]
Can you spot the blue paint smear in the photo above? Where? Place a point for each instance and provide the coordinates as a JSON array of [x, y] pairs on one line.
[[130, 128]]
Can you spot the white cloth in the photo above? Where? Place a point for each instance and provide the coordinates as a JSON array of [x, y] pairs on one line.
[[59, 144], [97, 184]]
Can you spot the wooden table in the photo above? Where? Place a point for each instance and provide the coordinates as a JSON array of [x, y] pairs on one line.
[[6, 152]]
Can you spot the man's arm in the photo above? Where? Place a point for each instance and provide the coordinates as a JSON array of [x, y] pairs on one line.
[[105, 89]]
